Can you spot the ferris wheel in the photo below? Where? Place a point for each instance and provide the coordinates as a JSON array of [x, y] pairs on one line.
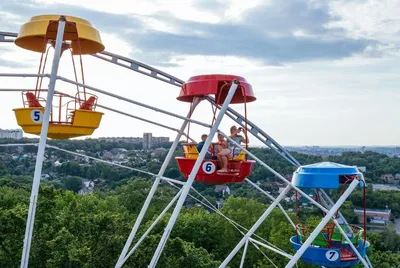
[[57, 115]]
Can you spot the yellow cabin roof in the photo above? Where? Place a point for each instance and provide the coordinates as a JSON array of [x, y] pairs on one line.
[[31, 34]]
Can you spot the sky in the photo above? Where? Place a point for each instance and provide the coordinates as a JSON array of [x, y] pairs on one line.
[[324, 72]]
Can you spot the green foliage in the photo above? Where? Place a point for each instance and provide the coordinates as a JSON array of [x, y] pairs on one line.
[[90, 230], [133, 194], [73, 183], [376, 163]]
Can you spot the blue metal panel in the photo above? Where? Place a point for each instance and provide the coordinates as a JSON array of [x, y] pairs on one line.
[[323, 175], [328, 257]]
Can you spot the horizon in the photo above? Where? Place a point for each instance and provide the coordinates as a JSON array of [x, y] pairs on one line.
[[254, 146]]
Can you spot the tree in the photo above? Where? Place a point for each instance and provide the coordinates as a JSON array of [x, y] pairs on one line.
[[73, 183]]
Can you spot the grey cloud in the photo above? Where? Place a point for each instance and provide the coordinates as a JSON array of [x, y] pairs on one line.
[[217, 6], [252, 37], [103, 20], [285, 49], [14, 64], [5, 48], [286, 16]]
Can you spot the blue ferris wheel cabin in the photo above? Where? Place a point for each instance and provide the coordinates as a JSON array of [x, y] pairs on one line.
[[325, 175], [330, 248]]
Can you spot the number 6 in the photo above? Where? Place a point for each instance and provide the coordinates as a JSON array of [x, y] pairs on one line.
[[208, 167]]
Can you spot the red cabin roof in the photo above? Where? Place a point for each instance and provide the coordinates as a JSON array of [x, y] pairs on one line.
[[202, 85]]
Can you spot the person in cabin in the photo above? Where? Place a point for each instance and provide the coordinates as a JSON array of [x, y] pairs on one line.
[[222, 153], [201, 144], [235, 150]]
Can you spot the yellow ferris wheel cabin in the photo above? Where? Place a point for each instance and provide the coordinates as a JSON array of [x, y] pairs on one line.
[[71, 115]]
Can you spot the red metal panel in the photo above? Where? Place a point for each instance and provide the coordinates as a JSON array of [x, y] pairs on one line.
[[218, 85], [238, 170]]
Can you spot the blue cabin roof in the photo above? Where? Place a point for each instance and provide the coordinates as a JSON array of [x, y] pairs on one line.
[[326, 175]]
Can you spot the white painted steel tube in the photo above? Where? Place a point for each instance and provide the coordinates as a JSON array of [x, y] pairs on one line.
[[192, 175], [351, 243], [154, 187], [273, 199], [42, 145], [134, 102], [152, 226], [109, 109], [255, 226], [322, 224], [271, 248], [244, 254], [25, 75], [274, 172]]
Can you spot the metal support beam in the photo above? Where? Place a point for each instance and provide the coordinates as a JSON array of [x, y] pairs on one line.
[[153, 189], [42, 144], [271, 248], [151, 227], [156, 109], [244, 254], [255, 226], [273, 199], [138, 67], [108, 109], [192, 175], [167, 78], [7, 37], [258, 133], [322, 224]]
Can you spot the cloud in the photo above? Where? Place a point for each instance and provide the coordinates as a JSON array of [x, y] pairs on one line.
[[14, 64], [275, 33], [104, 20], [269, 33], [310, 100], [6, 56], [376, 19]]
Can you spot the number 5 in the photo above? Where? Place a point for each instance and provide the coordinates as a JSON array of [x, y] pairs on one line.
[[36, 116]]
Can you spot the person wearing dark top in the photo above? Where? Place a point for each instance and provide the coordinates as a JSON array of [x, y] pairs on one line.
[[201, 144]]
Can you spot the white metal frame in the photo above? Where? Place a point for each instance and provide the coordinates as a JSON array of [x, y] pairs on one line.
[[42, 145], [154, 187], [192, 175], [182, 194]]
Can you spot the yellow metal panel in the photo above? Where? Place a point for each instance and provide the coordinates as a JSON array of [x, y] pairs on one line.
[[190, 151], [241, 156], [85, 123], [84, 118], [31, 34], [28, 116], [59, 132]]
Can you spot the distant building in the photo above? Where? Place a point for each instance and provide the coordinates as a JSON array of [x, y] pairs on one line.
[[159, 140], [389, 178], [385, 187], [374, 216], [11, 134], [222, 188], [147, 140], [122, 139], [88, 187]]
